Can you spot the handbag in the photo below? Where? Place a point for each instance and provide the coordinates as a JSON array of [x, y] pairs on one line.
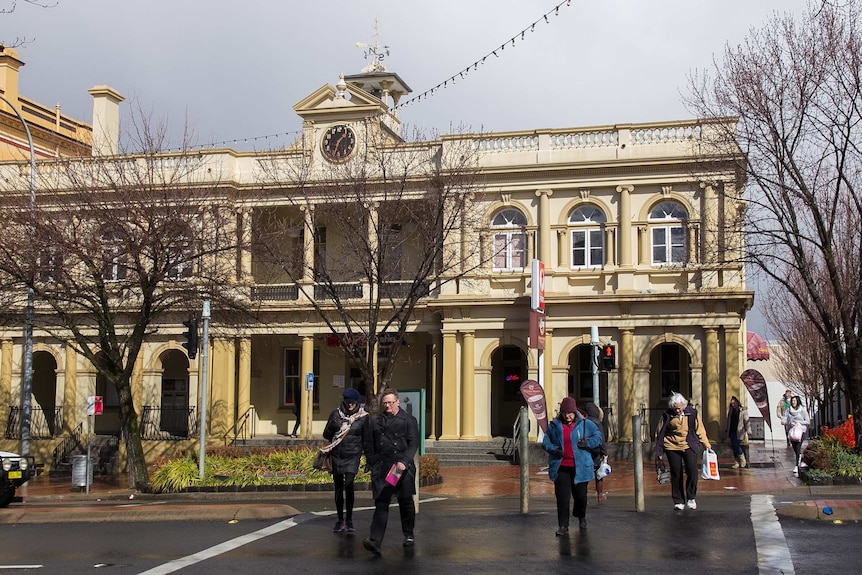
[[795, 433], [662, 473], [323, 461], [709, 468]]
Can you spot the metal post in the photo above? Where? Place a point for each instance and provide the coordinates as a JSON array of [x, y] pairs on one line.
[[205, 316], [637, 451], [524, 457], [27, 367], [594, 352]]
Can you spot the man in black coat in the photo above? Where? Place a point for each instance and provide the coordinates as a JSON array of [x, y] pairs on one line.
[[390, 444]]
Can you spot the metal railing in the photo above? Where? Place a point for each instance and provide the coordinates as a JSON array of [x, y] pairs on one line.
[[41, 427], [168, 423], [69, 444], [516, 438], [340, 290], [244, 428]]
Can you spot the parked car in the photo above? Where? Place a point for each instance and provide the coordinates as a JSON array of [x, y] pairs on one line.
[[14, 472]]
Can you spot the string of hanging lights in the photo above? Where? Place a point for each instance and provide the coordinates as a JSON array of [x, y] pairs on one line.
[[495, 52], [460, 75]]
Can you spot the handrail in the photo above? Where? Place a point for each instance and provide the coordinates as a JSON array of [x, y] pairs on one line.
[[516, 439], [244, 424], [67, 446]]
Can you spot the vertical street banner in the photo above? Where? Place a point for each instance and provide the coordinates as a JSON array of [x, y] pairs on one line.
[[534, 395], [537, 330], [756, 385]]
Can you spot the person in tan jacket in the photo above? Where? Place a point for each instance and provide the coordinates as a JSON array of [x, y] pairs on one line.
[[737, 429], [681, 436]]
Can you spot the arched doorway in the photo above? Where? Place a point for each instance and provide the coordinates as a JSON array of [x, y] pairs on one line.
[[174, 408], [44, 417], [109, 422], [670, 371], [508, 372]]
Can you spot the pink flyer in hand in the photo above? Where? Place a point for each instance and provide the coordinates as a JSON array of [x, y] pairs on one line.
[[394, 475]]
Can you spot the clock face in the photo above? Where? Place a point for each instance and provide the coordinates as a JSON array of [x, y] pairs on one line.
[[338, 142]]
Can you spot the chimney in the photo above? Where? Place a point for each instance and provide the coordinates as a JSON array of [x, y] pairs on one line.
[[9, 64], [106, 120]]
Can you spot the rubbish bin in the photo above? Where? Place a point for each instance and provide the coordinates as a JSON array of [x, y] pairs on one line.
[[80, 477]]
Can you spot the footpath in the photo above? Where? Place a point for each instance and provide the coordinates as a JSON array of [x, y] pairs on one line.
[[46, 500]]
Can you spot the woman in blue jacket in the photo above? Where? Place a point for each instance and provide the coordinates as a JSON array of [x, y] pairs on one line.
[[568, 441]]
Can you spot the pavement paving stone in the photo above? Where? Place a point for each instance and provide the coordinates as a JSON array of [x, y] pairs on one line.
[[50, 500]]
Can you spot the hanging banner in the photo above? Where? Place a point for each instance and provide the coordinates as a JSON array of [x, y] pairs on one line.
[[534, 395], [756, 385]]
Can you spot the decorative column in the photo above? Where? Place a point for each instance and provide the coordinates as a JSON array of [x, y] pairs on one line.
[[308, 255], [548, 355], [709, 247], [711, 415], [245, 223], [243, 400], [732, 350], [625, 225], [223, 409], [306, 365], [544, 250], [450, 399], [627, 407], [70, 387], [137, 382], [468, 387], [6, 372]]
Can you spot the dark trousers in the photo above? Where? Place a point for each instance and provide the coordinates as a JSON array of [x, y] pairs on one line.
[[564, 489], [344, 493], [381, 515], [682, 489], [735, 444], [797, 450]]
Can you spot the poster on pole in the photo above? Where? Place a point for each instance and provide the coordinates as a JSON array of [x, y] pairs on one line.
[[534, 395]]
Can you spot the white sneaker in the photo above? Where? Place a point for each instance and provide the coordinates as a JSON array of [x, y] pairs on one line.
[[796, 471], [691, 504], [679, 506]]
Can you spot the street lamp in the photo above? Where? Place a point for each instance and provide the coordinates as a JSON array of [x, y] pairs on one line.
[[27, 369]]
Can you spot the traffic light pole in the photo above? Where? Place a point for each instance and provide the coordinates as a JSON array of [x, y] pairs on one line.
[[205, 316], [594, 350]]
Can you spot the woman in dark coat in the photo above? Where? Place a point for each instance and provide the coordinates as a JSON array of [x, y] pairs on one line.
[[345, 425]]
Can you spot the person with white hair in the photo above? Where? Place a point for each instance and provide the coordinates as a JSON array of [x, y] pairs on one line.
[[681, 436]]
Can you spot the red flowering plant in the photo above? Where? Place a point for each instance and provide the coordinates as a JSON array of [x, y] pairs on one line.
[[844, 432]]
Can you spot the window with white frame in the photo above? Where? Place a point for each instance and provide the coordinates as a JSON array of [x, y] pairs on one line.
[[180, 253], [510, 239], [667, 222], [587, 235], [113, 258]]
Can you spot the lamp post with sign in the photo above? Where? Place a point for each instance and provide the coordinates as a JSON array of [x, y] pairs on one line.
[[27, 366], [94, 407], [537, 322]]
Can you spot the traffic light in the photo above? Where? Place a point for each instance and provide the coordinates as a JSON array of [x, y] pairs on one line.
[[191, 335], [608, 357]]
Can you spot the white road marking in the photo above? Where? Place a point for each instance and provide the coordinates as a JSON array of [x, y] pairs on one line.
[[232, 544], [773, 555], [20, 566]]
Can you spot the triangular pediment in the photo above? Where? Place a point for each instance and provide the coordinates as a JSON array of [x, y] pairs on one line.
[[324, 104]]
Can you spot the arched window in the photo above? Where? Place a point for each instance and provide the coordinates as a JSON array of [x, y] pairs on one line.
[[667, 228], [510, 240], [588, 246]]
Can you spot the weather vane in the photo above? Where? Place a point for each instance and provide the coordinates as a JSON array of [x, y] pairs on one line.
[[375, 53]]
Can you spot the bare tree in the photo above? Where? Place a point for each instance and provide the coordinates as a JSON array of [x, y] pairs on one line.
[[796, 88], [115, 248], [9, 7], [366, 240]]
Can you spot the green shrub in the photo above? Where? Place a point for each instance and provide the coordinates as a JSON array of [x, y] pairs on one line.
[[429, 466], [831, 456]]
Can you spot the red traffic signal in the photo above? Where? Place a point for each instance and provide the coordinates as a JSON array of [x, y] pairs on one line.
[[608, 357]]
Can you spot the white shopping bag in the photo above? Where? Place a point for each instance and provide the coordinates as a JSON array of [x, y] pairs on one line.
[[709, 469]]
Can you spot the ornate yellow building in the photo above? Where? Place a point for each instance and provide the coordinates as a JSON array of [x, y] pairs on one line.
[[637, 234]]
